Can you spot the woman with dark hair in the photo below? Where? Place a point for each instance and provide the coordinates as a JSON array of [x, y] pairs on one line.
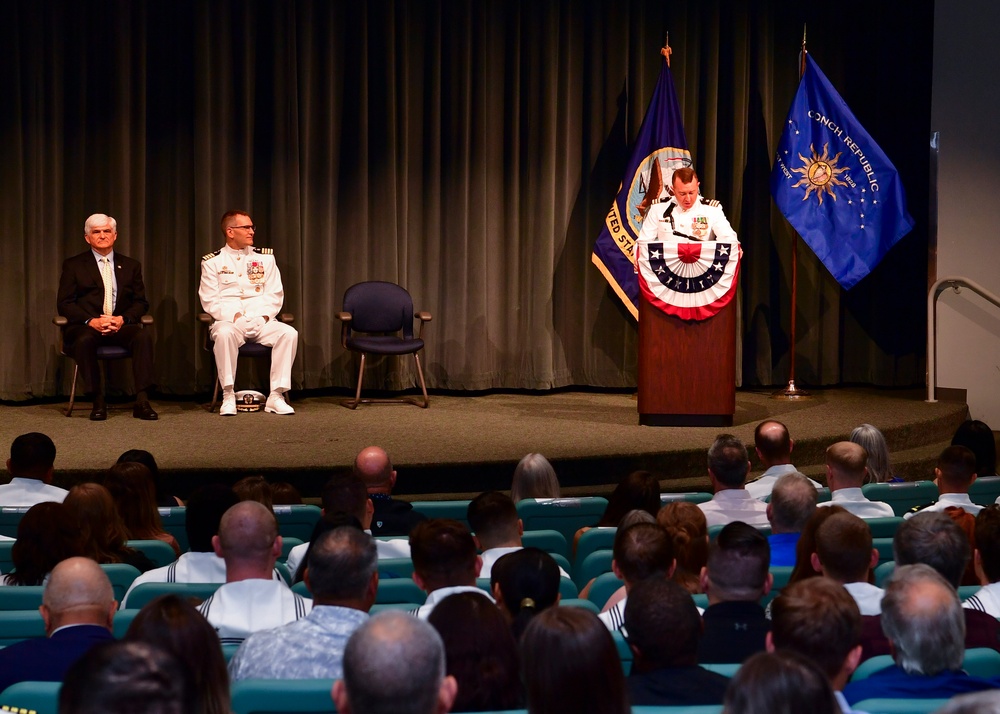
[[640, 490], [47, 534], [977, 437], [569, 664], [524, 583], [175, 625], [480, 653], [285, 494], [688, 530], [141, 456], [780, 682], [101, 527], [254, 488], [131, 486], [534, 477]]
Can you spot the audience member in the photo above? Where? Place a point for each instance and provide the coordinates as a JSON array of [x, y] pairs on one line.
[[987, 562], [534, 477], [807, 544], [46, 535], [444, 561], [131, 486], [101, 527], [285, 494], [780, 683], [922, 617], [496, 529], [480, 653], [728, 466], [978, 438], [342, 576], [254, 488], [31, 461], [954, 475], [688, 530], [327, 523], [735, 580], [638, 490], [524, 583], [250, 600], [78, 606], [846, 472], [663, 628], [873, 442], [793, 501], [985, 702], [844, 553], [391, 517], [175, 625], [774, 447], [569, 664], [640, 552], [163, 497], [394, 664]]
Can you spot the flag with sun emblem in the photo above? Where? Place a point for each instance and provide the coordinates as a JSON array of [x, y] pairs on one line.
[[835, 185]]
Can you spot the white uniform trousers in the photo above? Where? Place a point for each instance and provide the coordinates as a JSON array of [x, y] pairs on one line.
[[281, 338]]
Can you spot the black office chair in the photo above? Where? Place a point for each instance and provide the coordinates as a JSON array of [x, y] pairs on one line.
[[104, 352], [380, 310], [247, 349]]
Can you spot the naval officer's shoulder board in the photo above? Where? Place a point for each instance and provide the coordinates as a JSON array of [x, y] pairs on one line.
[[209, 256]]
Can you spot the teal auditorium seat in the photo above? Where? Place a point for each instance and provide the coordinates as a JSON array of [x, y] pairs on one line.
[[399, 590], [985, 490], [595, 564], [297, 521], [17, 625], [577, 602], [156, 550], [20, 597], [898, 706], [883, 572], [603, 588], [280, 696], [38, 697], [123, 620], [902, 496], [728, 669], [624, 651], [884, 548], [10, 517], [689, 496], [456, 510], [145, 592], [121, 576], [566, 515], [884, 527], [286, 546], [6, 563], [389, 568], [593, 540], [552, 542], [174, 522]]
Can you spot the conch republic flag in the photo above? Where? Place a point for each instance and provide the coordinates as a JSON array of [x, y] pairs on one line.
[[835, 185], [659, 149]]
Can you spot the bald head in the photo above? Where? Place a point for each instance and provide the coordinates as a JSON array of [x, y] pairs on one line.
[[372, 464], [78, 592], [773, 444], [847, 465], [248, 536]]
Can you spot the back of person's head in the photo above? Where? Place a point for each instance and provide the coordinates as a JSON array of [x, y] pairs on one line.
[[848, 463], [874, 444], [806, 546], [329, 522], [374, 467], [32, 455], [493, 518], [78, 592], [47, 534], [443, 553], [933, 539], [772, 442], [687, 527], [663, 623], [639, 490], [145, 458], [793, 501], [534, 477], [956, 468], [987, 541], [569, 664], [978, 438], [643, 551], [923, 619], [393, 664], [844, 548], [101, 525], [525, 582], [818, 619], [247, 532], [345, 493], [636, 516], [285, 494], [254, 488], [131, 486], [781, 682], [480, 652], [173, 623], [738, 562], [728, 461], [204, 511], [125, 678], [341, 565]]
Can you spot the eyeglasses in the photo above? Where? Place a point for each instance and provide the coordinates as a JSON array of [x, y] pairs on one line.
[[250, 227]]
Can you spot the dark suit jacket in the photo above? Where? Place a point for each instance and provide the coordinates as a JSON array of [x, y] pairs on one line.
[[393, 517], [46, 660], [81, 289]]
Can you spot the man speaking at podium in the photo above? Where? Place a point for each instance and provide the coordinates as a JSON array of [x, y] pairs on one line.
[[686, 216]]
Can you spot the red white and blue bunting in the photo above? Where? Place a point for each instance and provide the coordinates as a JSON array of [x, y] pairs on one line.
[[690, 280]]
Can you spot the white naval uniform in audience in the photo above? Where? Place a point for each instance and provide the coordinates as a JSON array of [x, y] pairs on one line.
[[946, 500], [867, 596], [492, 555], [761, 488], [986, 599], [238, 609], [26, 492], [734, 504], [433, 598], [395, 548], [189, 568], [854, 501]]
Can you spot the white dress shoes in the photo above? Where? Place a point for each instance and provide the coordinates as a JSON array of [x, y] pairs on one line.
[[276, 404], [228, 407]]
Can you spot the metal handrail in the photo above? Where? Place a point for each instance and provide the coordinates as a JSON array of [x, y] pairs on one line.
[[956, 284]]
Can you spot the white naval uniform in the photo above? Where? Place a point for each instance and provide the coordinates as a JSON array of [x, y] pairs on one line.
[[25, 492], [705, 220], [247, 282], [395, 548], [238, 609]]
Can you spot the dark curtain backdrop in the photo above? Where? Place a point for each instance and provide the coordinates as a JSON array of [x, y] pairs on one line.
[[466, 150]]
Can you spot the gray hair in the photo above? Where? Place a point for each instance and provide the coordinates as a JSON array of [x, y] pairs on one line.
[[923, 618], [793, 500], [534, 477], [879, 466], [729, 461], [341, 564], [99, 219], [934, 539]]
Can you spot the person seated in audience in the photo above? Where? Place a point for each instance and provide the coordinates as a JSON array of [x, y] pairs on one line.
[[134, 492], [496, 529], [954, 475], [735, 580], [793, 501], [47, 534], [163, 497], [978, 438], [78, 605], [254, 488], [818, 619], [342, 576], [986, 557], [534, 477], [392, 517], [128, 677], [524, 583], [101, 527], [844, 553], [251, 599], [663, 629], [480, 653], [985, 702], [640, 490], [688, 530], [175, 625], [728, 466], [774, 447], [922, 617], [780, 682], [879, 464], [846, 471], [569, 663], [31, 466], [630, 519], [444, 561], [285, 494], [807, 544], [641, 551], [394, 663]]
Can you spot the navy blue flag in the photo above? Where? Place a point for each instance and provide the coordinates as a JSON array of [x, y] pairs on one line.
[[659, 149], [834, 185]]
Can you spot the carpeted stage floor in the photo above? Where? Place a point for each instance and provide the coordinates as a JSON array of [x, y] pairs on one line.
[[463, 445]]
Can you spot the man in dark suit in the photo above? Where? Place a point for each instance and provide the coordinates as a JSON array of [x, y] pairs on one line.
[[391, 517], [78, 606], [102, 295]]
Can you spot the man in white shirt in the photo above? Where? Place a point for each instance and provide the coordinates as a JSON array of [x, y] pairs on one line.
[[496, 529], [31, 461], [986, 557], [444, 561], [844, 553], [728, 466], [774, 447], [846, 468], [954, 475]]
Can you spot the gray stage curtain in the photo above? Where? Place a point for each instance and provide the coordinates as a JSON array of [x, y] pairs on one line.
[[466, 150]]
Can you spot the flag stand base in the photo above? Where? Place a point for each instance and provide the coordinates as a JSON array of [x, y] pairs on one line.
[[791, 393]]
